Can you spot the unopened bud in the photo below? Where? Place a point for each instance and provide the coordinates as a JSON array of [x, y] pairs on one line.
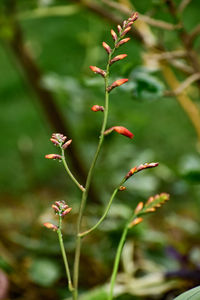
[[50, 226], [125, 31], [140, 168], [135, 222], [55, 208], [98, 71], [66, 145], [54, 141], [139, 207], [121, 130], [119, 28], [122, 42], [116, 84], [114, 35], [134, 16], [53, 156], [65, 212], [107, 47], [122, 188], [118, 57], [96, 108]]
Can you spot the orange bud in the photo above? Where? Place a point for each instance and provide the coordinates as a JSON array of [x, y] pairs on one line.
[[96, 108], [135, 222], [114, 35], [124, 32], [121, 130], [107, 47], [139, 207], [116, 83], [50, 226], [122, 42], [122, 188], [98, 71], [53, 156], [66, 144], [118, 57]]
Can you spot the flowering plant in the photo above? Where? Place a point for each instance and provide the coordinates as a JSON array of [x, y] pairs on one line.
[[59, 140]]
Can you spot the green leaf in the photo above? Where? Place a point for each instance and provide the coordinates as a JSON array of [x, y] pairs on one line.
[[193, 294], [146, 85], [44, 272]]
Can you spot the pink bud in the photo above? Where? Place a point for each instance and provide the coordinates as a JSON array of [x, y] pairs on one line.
[[66, 211], [114, 35], [117, 83], [55, 208], [66, 145], [134, 17], [119, 28], [126, 30], [122, 42], [96, 108], [53, 156], [118, 57], [107, 47], [54, 141], [121, 130], [98, 71]]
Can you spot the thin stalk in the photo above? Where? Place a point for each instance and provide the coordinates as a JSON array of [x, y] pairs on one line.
[[105, 212], [70, 173], [59, 232], [88, 182], [117, 260]]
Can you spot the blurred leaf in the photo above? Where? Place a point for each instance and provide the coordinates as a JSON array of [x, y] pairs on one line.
[[189, 167], [193, 294], [44, 272], [146, 85]]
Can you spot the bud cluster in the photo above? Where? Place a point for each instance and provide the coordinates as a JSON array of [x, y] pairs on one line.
[[61, 208], [59, 139]]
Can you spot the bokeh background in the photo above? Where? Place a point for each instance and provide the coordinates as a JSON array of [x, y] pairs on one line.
[[46, 86]]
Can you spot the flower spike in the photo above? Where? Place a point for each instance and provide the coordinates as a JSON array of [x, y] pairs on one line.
[[121, 130]]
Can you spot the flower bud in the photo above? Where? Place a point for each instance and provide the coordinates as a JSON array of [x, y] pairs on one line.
[[107, 47], [54, 141], [133, 17], [126, 30], [119, 28], [66, 145], [50, 226], [98, 71], [59, 137], [122, 42], [116, 83], [135, 222], [140, 168], [53, 156], [118, 57], [122, 188], [96, 108], [121, 130], [65, 212], [114, 35], [139, 207]]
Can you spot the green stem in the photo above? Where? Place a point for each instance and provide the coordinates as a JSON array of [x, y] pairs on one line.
[[87, 186], [117, 260], [59, 232], [105, 212], [70, 173]]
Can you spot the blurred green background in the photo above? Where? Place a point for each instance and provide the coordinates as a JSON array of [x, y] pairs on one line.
[[62, 39]]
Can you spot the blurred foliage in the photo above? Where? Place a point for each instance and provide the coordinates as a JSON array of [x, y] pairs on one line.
[[64, 45]]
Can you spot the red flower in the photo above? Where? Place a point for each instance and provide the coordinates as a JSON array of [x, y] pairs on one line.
[[121, 130]]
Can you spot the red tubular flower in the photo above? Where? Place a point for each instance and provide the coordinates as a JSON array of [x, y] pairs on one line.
[[118, 57], [96, 108], [98, 71], [53, 156], [106, 47], [121, 130], [117, 83]]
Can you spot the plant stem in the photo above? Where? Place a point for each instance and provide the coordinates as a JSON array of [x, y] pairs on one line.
[[59, 232], [117, 260], [70, 173], [87, 186], [105, 212]]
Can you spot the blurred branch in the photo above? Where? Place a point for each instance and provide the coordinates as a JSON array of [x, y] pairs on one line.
[[193, 35], [34, 77], [186, 83], [183, 5]]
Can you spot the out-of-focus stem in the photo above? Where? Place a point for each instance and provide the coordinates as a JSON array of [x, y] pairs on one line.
[[70, 173], [59, 232], [105, 212]]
